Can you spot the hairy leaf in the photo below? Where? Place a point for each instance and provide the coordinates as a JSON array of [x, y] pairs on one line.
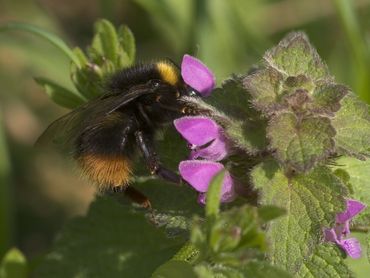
[[311, 202], [178, 269], [300, 143], [247, 129], [110, 241], [255, 269], [265, 89], [352, 125], [261, 269], [294, 55], [327, 261], [327, 97]]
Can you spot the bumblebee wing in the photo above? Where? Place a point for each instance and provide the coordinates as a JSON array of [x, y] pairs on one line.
[[64, 131]]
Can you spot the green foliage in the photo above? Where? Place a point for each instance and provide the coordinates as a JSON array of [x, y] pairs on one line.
[[110, 50], [326, 261], [352, 124], [310, 116], [14, 265], [213, 195], [294, 56], [246, 128], [60, 95], [300, 143], [110, 241], [311, 202], [180, 269]]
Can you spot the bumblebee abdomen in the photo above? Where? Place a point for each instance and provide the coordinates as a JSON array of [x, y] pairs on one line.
[[106, 170]]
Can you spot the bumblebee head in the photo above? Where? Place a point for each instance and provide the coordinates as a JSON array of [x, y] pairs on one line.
[[170, 73]]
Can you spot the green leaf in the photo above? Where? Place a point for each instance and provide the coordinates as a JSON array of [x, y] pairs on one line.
[[205, 270], [187, 253], [358, 177], [178, 269], [265, 89], [352, 125], [247, 129], [327, 261], [14, 265], [106, 40], [87, 81], [59, 94], [294, 55], [234, 234], [214, 195], [80, 56], [311, 202], [255, 269], [327, 97], [260, 269], [112, 240], [300, 143], [268, 213], [168, 212], [127, 41], [53, 39]]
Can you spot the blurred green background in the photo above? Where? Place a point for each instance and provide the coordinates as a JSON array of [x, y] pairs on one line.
[[39, 191]]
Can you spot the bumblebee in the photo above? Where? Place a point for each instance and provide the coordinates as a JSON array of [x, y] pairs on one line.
[[105, 133]]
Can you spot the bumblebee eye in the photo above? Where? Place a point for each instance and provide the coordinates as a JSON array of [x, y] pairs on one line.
[[193, 93], [154, 83]]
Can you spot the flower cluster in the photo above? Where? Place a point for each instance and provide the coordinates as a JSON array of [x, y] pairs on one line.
[[206, 139], [340, 232]]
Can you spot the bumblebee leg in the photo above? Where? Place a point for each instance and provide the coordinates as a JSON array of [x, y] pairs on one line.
[[133, 194], [137, 197], [152, 159]]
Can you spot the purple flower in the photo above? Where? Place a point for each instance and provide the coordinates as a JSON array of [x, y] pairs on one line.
[[197, 75], [337, 234], [205, 137], [199, 173]]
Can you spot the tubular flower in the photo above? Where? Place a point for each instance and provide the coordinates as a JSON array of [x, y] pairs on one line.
[[199, 173], [205, 137], [197, 75], [339, 233]]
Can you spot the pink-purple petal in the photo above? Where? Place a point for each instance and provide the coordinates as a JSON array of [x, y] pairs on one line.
[[330, 235], [352, 247], [353, 208], [199, 173], [197, 130], [216, 151], [197, 75]]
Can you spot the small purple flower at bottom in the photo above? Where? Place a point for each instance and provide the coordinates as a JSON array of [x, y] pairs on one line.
[[337, 234], [205, 136], [199, 173]]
